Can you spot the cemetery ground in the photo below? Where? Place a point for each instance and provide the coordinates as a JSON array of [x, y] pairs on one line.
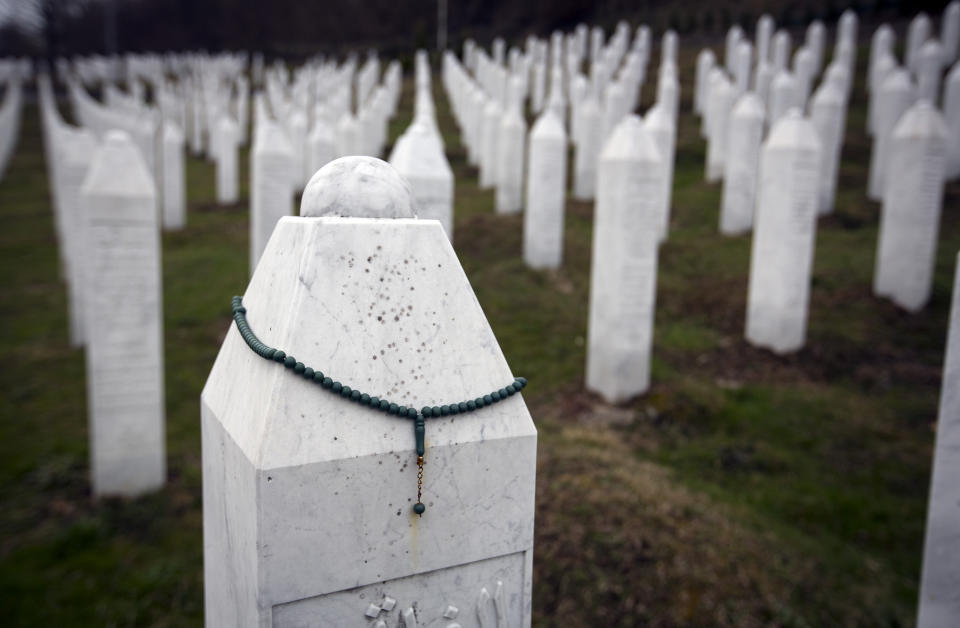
[[745, 489]]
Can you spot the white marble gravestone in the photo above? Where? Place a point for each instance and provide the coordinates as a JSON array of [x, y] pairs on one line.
[[783, 237], [75, 149], [781, 51], [917, 34], [419, 157], [828, 113], [705, 63], [546, 190], [929, 70], [951, 114], [783, 97], [228, 140], [511, 146], [490, 135], [720, 102], [623, 271], [660, 125], [743, 157], [271, 185], [939, 605], [896, 95], [912, 200], [174, 178], [950, 32], [307, 496], [587, 149], [123, 310], [764, 32]]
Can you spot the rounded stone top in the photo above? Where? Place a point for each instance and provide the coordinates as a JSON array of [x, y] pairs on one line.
[[358, 187]]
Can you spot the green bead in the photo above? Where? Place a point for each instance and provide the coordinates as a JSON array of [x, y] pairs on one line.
[[487, 400], [444, 410], [355, 395], [270, 353], [462, 407], [392, 408], [402, 411], [384, 405], [326, 382], [308, 373], [419, 508], [511, 389], [345, 391], [299, 368], [426, 411], [289, 361], [318, 376], [279, 356], [412, 413], [365, 399], [495, 396], [435, 410], [523, 381], [375, 402], [471, 405], [503, 393], [336, 387]]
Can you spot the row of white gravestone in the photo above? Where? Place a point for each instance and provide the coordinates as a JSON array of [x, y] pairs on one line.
[[308, 496], [893, 86], [490, 107], [283, 147], [160, 141], [67, 151]]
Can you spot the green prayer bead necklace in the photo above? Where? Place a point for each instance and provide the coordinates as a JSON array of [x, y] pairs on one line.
[[375, 403]]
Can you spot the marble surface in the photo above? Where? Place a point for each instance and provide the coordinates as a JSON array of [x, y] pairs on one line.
[[587, 150], [174, 178], [912, 203], [623, 269], [307, 497], [738, 200], [546, 192], [897, 94], [783, 239], [939, 604], [828, 109], [720, 102], [511, 147], [271, 185], [364, 187], [124, 321], [228, 142]]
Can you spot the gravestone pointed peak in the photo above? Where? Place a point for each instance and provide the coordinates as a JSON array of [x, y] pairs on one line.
[[748, 105], [359, 187], [792, 131], [920, 121], [118, 168], [548, 125], [271, 139], [629, 140]]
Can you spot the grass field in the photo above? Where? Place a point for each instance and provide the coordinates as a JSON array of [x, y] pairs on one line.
[[744, 489]]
